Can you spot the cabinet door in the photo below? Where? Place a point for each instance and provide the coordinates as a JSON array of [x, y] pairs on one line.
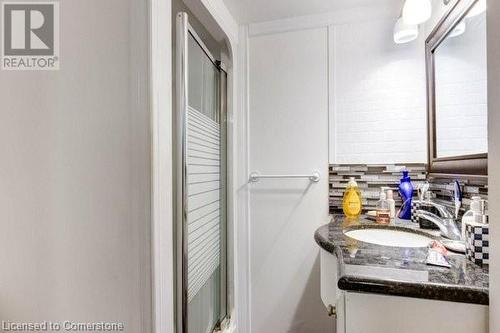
[[370, 313], [329, 278], [331, 295], [341, 317]]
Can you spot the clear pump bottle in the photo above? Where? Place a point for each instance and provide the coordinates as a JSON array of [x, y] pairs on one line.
[[392, 203], [383, 210]]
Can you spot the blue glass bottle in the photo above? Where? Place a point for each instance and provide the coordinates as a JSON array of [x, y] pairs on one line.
[[406, 192]]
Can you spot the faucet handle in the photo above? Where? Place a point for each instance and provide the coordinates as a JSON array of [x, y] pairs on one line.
[[422, 190]]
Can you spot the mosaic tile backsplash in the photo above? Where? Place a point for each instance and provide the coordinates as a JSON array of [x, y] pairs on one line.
[[371, 178], [443, 191]]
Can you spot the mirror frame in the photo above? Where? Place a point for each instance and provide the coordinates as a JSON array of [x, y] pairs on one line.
[[475, 164]]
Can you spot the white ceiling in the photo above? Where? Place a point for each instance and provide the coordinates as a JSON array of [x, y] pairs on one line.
[[251, 11]]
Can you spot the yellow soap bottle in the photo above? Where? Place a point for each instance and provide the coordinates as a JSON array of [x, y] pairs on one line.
[[351, 203]]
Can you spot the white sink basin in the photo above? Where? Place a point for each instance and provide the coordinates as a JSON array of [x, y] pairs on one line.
[[389, 237]]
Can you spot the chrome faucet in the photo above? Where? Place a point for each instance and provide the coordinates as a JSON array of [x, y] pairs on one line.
[[446, 222], [441, 209]]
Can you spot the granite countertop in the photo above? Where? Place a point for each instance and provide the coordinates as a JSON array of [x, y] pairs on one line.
[[399, 271]]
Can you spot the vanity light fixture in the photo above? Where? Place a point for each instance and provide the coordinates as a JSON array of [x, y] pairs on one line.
[[416, 11], [404, 33], [479, 8], [458, 30]]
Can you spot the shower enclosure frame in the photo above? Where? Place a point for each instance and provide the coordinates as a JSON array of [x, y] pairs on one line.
[[184, 29]]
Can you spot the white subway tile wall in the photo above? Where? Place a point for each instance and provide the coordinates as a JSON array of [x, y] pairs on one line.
[[379, 96]]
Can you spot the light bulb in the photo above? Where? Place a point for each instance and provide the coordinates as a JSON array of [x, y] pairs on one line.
[[416, 11], [458, 30], [404, 33]]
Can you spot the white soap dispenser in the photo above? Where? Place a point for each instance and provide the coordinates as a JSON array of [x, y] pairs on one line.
[[473, 215]]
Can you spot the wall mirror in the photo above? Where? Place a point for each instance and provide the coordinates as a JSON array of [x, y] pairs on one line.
[[457, 91]]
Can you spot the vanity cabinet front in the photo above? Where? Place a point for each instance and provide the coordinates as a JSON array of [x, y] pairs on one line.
[[375, 313]]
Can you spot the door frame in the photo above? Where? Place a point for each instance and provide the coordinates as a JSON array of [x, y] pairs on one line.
[[160, 80], [183, 30], [161, 113]]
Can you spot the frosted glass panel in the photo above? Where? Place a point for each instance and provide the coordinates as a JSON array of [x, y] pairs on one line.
[[204, 186], [205, 175]]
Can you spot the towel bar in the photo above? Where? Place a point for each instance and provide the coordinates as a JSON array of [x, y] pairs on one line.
[[255, 176]]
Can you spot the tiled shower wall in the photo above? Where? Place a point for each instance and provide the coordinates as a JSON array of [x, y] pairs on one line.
[[371, 178]]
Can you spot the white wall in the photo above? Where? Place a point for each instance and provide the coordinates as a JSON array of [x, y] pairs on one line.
[[288, 124], [379, 112], [75, 175], [493, 32]]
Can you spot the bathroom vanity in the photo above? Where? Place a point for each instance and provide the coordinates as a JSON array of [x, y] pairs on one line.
[[373, 288]]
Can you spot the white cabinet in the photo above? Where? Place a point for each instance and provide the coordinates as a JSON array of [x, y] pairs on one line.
[[329, 277], [332, 297], [375, 313]]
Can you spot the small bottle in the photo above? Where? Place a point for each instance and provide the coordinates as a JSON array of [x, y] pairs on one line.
[[475, 214], [351, 202], [392, 203], [406, 192], [383, 210]]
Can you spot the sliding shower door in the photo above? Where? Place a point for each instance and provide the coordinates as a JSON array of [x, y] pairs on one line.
[[201, 184]]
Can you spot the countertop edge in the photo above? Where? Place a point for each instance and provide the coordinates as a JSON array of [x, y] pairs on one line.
[[324, 244], [436, 292], [412, 290]]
